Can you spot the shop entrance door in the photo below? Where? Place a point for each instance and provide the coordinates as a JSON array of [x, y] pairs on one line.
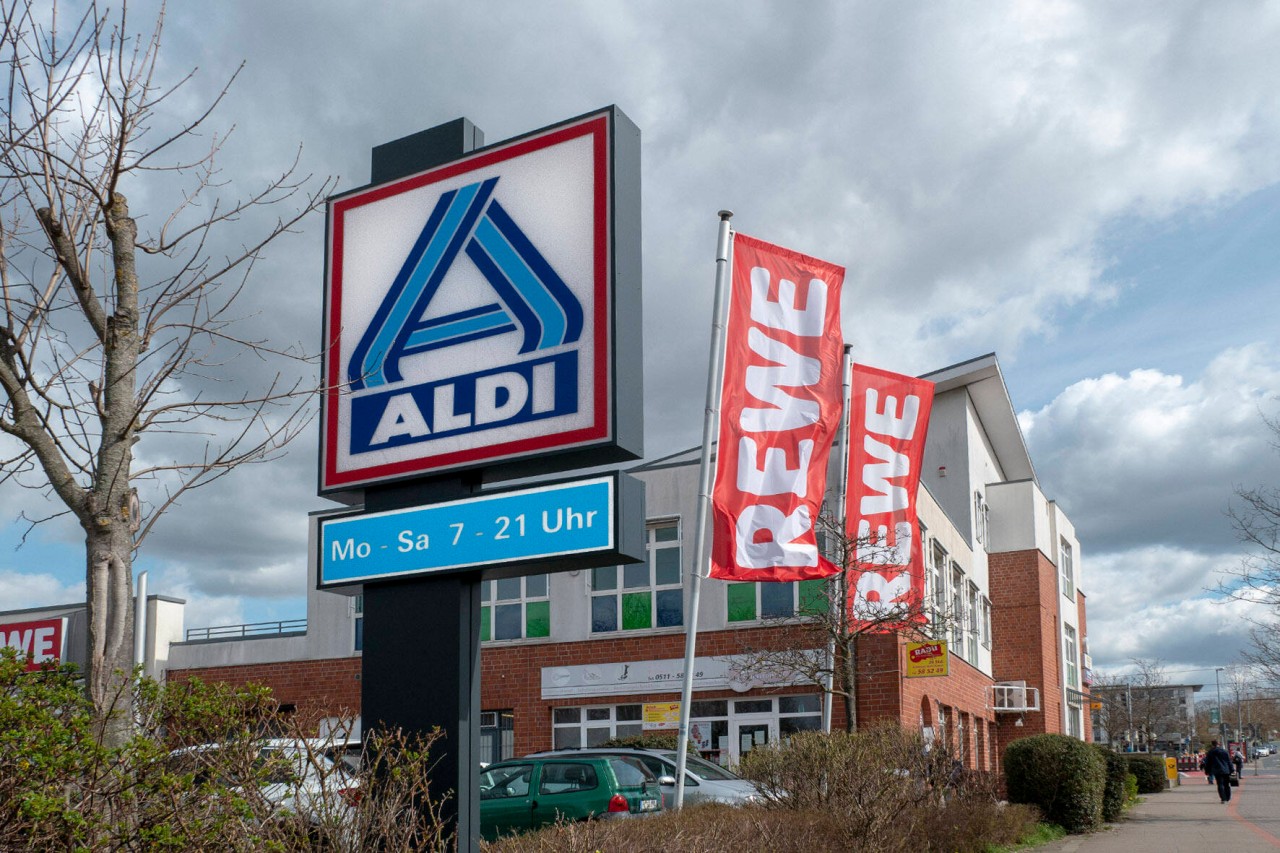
[[749, 733]]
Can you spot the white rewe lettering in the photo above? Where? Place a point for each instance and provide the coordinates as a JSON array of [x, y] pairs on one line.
[[886, 422], [877, 550], [20, 640], [400, 417], [773, 477], [876, 476], [872, 586], [778, 546], [783, 312], [790, 369]]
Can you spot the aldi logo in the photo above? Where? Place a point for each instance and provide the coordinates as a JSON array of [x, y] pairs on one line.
[[471, 308]]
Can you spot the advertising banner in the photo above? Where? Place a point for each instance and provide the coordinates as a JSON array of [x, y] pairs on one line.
[[927, 660], [779, 411], [661, 716], [888, 422], [41, 640]]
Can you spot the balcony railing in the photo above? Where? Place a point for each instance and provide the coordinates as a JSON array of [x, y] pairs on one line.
[[250, 630]]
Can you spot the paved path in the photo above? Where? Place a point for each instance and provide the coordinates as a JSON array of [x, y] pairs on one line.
[[1190, 818]]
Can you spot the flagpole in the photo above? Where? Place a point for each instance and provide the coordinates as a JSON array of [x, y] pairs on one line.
[[710, 423], [842, 490]]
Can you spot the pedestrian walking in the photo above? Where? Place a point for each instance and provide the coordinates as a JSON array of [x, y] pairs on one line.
[[1204, 768], [1218, 763], [1238, 760]]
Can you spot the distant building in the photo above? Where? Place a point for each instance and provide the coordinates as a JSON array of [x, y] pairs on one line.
[[1154, 718]]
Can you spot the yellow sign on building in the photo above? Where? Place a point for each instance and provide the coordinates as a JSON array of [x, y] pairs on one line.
[[925, 660], [659, 716]]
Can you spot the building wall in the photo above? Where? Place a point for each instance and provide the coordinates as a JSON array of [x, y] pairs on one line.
[[1025, 628], [327, 687]]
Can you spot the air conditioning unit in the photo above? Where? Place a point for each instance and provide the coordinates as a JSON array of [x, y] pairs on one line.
[[1014, 697]]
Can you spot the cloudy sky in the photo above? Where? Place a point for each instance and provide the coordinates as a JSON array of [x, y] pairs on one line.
[[1090, 190]]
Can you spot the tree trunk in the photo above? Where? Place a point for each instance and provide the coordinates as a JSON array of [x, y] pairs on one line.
[[108, 679]]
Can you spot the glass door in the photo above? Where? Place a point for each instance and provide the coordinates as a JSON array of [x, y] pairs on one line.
[[750, 733]]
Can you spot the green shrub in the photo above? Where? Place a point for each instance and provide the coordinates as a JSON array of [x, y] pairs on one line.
[[1063, 776], [651, 740], [1113, 794], [1130, 790], [1150, 772]]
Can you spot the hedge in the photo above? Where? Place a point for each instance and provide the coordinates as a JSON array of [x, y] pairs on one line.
[[1150, 771], [1063, 776], [1113, 794]]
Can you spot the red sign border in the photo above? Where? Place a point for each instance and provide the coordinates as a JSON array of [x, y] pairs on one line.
[[598, 126]]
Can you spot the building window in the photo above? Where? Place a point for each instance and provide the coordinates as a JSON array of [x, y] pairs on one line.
[[986, 622], [1068, 571], [579, 727], [981, 518], [1071, 656], [749, 602], [357, 616], [642, 595], [799, 714], [515, 608], [938, 587], [957, 609], [972, 606]]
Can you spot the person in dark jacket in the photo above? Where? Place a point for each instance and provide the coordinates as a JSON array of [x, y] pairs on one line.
[[1218, 762]]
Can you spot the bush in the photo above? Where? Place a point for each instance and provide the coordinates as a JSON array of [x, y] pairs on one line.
[[1113, 794], [1063, 776], [1130, 789], [1150, 772], [651, 740], [877, 789], [60, 789]]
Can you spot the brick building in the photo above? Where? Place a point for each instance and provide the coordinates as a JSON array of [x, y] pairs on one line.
[[574, 658]]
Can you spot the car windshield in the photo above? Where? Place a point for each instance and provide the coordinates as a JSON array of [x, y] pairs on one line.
[[703, 769]]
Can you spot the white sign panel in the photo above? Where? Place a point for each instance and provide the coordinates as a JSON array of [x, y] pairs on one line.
[[470, 310], [656, 676]]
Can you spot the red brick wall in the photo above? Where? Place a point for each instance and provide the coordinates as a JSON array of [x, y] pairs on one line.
[[1025, 631], [325, 688]]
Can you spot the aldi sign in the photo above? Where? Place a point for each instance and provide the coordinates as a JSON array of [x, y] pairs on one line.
[[473, 310]]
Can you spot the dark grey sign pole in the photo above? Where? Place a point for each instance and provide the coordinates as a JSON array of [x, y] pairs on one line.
[[421, 660]]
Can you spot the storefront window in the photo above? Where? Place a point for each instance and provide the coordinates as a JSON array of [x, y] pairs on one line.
[[594, 726], [515, 608]]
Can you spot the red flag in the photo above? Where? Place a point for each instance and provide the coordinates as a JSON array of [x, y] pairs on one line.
[[779, 410], [889, 420]]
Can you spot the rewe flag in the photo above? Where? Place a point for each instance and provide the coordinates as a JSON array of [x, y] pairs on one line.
[[779, 411], [888, 423]]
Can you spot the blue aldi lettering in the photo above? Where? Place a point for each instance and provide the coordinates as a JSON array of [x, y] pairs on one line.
[[518, 393]]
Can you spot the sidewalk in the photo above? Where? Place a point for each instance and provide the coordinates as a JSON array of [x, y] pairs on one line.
[[1190, 818]]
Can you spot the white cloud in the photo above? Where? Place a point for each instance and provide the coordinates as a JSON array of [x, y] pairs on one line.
[[20, 590], [1151, 457]]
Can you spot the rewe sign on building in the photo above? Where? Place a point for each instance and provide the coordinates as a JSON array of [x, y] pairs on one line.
[[470, 310], [41, 640]]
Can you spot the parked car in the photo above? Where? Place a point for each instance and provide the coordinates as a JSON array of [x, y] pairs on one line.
[[704, 781], [293, 776], [527, 793]]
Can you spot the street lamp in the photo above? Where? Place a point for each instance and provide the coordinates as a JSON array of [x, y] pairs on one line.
[[1222, 727]]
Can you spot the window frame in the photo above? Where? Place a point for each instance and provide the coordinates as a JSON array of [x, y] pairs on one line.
[[1066, 568], [489, 603], [619, 590], [1070, 656]]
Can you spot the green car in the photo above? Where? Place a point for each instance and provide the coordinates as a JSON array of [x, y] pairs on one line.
[[527, 793]]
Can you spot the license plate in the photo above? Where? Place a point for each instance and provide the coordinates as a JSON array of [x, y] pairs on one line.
[[649, 805]]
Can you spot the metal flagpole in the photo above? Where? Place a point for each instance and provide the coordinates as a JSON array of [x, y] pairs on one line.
[[842, 478], [710, 423]]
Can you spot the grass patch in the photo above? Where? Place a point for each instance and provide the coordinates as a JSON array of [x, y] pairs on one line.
[[1041, 834]]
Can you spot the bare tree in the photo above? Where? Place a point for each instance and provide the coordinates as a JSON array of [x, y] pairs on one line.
[[111, 334], [819, 644], [1255, 515]]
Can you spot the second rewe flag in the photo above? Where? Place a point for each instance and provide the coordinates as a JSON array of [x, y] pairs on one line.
[[779, 412]]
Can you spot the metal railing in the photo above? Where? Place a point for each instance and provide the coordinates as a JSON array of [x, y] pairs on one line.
[[248, 630]]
